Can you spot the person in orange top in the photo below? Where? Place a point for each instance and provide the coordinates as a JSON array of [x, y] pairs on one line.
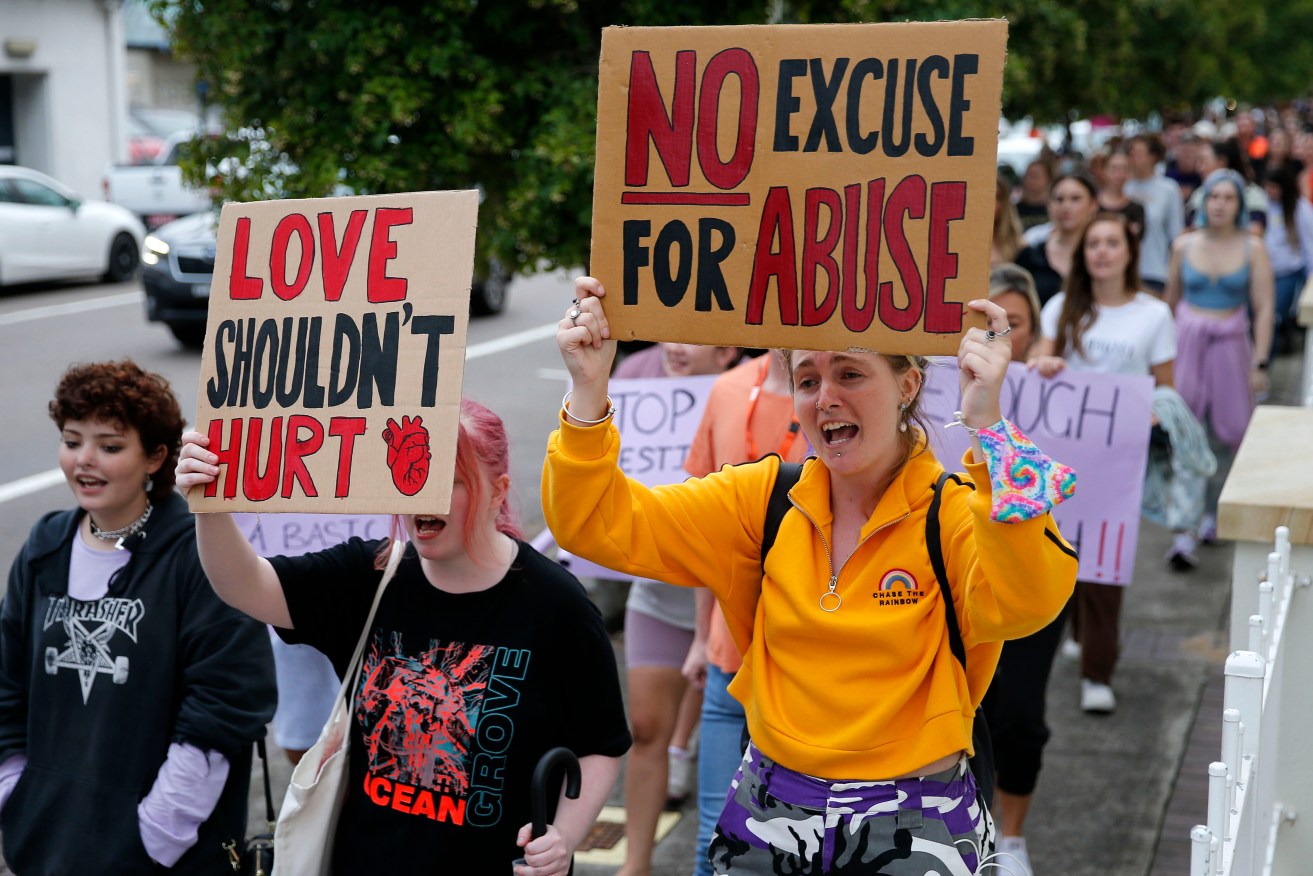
[[860, 712], [749, 414]]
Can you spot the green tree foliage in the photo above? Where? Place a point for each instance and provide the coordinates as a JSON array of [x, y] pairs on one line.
[[442, 94], [439, 94]]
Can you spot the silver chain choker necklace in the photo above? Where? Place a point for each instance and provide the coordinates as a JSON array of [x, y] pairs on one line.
[[126, 532]]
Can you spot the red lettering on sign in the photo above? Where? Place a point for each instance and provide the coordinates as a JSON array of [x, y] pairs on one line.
[[948, 203], [830, 219], [230, 455], [736, 62], [859, 319], [382, 249], [337, 259], [345, 429], [297, 449], [293, 223], [776, 220], [240, 286], [906, 201], [255, 485], [852, 212], [672, 134], [818, 253]]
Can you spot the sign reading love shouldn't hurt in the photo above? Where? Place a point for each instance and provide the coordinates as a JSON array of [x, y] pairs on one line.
[[804, 186], [335, 351]]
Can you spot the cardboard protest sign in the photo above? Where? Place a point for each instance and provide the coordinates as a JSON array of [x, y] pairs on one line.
[[803, 186], [334, 353], [657, 418], [1096, 423]]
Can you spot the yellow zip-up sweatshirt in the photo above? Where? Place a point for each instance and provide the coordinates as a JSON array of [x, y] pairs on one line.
[[869, 691]]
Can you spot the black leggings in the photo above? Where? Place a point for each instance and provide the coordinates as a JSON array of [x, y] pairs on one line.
[[1014, 706]]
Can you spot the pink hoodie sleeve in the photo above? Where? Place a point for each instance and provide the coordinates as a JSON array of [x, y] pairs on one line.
[[186, 790]]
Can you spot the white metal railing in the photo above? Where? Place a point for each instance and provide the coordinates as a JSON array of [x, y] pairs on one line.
[[1244, 812]]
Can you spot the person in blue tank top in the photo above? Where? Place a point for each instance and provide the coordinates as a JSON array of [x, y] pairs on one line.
[[1218, 274]]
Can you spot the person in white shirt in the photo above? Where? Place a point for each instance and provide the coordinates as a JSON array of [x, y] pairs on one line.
[[1104, 323]]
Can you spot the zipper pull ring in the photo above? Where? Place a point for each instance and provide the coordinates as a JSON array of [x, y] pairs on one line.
[[830, 599]]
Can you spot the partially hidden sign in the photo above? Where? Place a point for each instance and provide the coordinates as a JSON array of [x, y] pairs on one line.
[[802, 186], [1096, 423], [335, 351]]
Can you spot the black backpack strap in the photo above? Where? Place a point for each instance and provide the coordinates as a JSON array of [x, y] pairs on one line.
[[934, 545], [778, 505]]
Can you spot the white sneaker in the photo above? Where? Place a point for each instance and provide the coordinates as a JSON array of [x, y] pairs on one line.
[[1095, 697], [1070, 649], [679, 779], [1011, 857]]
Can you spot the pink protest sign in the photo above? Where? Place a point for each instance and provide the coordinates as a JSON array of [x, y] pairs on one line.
[[1096, 423]]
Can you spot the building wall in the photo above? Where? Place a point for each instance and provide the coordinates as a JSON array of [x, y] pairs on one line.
[[69, 94], [156, 79]]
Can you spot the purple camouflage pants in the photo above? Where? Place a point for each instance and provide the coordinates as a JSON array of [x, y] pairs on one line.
[[778, 822]]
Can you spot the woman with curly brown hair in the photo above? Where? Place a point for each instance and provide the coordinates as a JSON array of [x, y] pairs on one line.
[[129, 694]]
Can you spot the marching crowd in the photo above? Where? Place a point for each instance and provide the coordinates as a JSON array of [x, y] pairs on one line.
[[818, 548]]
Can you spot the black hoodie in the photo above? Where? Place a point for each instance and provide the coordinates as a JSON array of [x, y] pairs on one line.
[[94, 693]]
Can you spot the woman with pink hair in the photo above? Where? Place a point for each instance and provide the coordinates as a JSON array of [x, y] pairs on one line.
[[483, 656]]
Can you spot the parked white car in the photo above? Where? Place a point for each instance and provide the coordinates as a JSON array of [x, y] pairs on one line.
[[47, 232]]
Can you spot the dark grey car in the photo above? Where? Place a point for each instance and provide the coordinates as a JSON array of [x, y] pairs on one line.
[[178, 267]]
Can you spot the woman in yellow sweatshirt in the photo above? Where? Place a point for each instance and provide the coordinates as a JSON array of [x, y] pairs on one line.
[[859, 714]]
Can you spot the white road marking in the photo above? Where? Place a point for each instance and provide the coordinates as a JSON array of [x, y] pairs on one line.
[[510, 342], [30, 484], [51, 310]]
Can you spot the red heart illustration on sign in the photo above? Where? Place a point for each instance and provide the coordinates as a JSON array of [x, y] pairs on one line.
[[408, 454]]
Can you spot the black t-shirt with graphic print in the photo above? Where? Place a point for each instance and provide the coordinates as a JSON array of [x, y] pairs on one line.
[[459, 696]]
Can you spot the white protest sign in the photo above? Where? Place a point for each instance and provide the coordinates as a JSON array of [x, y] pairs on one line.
[[294, 534], [657, 418]]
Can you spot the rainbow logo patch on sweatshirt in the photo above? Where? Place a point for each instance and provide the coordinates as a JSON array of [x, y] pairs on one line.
[[898, 587], [897, 578]]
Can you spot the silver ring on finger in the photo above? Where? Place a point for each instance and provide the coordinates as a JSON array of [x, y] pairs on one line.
[[991, 334], [573, 315]]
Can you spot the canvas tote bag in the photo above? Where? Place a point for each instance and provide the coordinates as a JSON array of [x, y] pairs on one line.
[[307, 823]]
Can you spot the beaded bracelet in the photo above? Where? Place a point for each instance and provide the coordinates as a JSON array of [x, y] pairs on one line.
[[610, 411]]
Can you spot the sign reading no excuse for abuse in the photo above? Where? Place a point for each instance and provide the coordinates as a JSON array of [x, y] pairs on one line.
[[334, 353], [804, 186]]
